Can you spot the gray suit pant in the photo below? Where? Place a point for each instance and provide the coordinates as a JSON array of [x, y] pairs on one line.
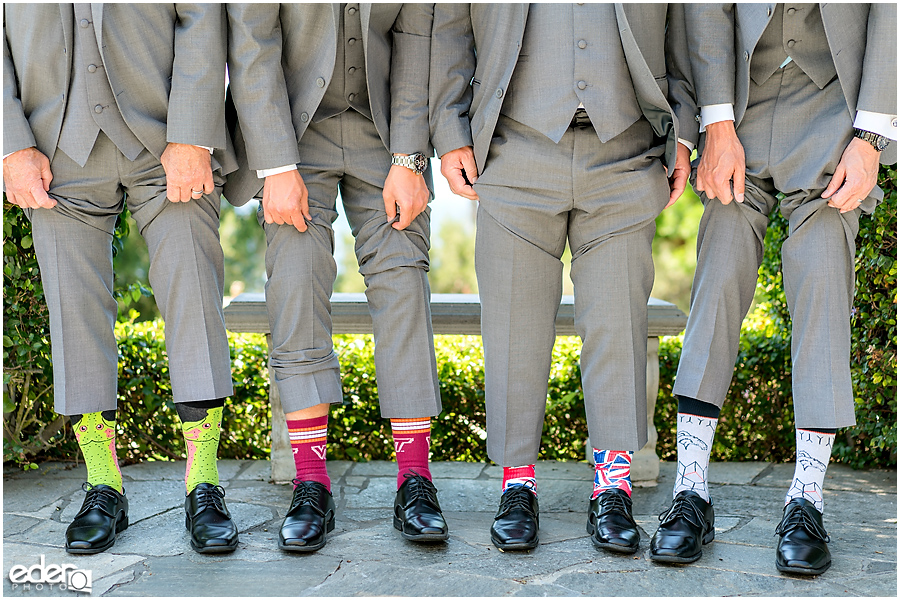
[[534, 197], [73, 243], [345, 154], [793, 136]]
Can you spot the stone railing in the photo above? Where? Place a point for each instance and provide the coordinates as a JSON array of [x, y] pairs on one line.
[[452, 314]]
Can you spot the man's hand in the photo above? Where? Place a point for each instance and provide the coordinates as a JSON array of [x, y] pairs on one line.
[[188, 172], [286, 200], [854, 177], [457, 166], [722, 163], [679, 176], [27, 176], [407, 191]]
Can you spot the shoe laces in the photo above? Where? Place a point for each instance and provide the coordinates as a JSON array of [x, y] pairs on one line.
[[304, 493], [684, 509], [612, 502], [517, 497], [96, 498], [420, 487], [211, 497], [798, 518]]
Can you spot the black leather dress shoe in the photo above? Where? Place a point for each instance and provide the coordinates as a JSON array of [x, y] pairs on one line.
[[516, 525], [417, 514], [610, 523], [310, 517], [683, 529], [103, 514], [803, 547], [208, 520]]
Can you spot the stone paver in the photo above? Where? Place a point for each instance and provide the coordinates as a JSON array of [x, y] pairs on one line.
[[365, 556]]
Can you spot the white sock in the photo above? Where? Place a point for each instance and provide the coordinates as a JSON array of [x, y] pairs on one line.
[[813, 454], [694, 441]]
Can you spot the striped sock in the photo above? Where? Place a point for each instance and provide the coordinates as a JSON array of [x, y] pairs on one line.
[[523, 476], [309, 441], [412, 440], [612, 471]]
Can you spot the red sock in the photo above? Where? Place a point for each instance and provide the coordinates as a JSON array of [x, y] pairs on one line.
[[309, 443], [412, 438], [523, 476]]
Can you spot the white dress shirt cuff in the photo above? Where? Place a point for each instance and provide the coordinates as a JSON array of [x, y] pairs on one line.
[[687, 144], [879, 123], [263, 173], [206, 148], [5, 155], [715, 113]]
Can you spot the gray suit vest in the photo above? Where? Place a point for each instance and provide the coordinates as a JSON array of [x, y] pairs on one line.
[[570, 55], [796, 30], [92, 105], [348, 82]]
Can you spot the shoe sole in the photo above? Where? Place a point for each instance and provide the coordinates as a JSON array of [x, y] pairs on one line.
[[612, 547], [420, 537], [329, 527], [516, 546], [119, 528], [209, 549], [681, 560], [801, 570]]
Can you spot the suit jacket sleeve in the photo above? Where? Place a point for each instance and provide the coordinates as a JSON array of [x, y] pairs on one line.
[[710, 32], [878, 88], [452, 69], [197, 97], [410, 59], [258, 87], [17, 133], [682, 97]]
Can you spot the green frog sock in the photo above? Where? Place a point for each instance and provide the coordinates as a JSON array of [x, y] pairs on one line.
[[96, 435], [201, 423]]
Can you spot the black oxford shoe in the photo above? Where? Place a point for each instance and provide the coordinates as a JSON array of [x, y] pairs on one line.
[[417, 514], [516, 525], [610, 523], [103, 514], [309, 518], [683, 529], [803, 546], [208, 520]]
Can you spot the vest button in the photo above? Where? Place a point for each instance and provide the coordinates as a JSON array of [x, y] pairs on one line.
[[582, 44], [84, 23], [499, 93], [351, 10], [320, 82], [582, 85], [351, 97], [304, 117], [351, 70], [351, 41], [92, 68], [768, 11], [746, 56], [791, 11], [98, 109], [791, 43]]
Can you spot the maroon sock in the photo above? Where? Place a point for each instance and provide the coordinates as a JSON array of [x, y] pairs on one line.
[[412, 438], [309, 443]]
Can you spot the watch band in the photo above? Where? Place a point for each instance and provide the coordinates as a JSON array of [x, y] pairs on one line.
[[879, 142], [416, 162]]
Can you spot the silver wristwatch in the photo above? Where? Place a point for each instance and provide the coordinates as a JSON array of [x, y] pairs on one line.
[[417, 163], [879, 142]]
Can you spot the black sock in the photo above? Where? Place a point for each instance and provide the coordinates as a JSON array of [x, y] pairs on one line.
[[697, 407], [190, 412]]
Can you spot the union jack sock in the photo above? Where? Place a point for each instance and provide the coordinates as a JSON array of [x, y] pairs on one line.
[[412, 440], [523, 476], [309, 442], [612, 470]]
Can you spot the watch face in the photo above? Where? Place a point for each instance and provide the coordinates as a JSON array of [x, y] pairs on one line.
[[420, 162]]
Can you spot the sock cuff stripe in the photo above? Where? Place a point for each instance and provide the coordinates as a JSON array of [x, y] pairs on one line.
[[405, 431], [307, 436], [306, 430], [816, 432], [412, 423]]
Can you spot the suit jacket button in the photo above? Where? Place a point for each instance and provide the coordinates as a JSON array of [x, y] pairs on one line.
[[92, 68], [84, 23], [499, 93], [791, 11], [582, 85], [304, 117], [320, 82], [98, 109], [746, 56], [582, 44], [791, 43]]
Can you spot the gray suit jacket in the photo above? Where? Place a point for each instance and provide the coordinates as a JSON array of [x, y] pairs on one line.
[[862, 39], [656, 59], [280, 63], [165, 63]]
